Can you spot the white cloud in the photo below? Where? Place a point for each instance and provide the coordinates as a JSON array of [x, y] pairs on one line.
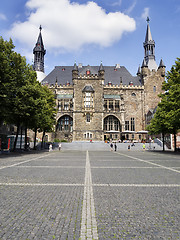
[[131, 8], [69, 26], [3, 17], [117, 3], [145, 13]]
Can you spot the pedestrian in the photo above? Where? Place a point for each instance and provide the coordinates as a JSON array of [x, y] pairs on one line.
[[144, 146], [128, 147], [115, 147], [111, 145], [59, 146], [50, 147]]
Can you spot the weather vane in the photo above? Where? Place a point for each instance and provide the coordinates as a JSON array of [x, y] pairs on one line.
[[147, 20]]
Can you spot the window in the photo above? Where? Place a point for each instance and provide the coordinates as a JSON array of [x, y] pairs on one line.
[[132, 124], [88, 101], [105, 104], [66, 105], [133, 94], [88, 135], [88, 117], [116, 124], [117, 108], [65, 123], [126, 125], [111, 123], [154, 89], [110, 105]]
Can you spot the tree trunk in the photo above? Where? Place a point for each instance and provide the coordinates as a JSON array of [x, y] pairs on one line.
[[42, 143], [21, 139], [17, 133], [35, 134], [163, 142], [175, 142], [25, 137]]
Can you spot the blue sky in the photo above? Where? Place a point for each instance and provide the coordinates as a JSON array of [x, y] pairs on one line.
[[88, 32]]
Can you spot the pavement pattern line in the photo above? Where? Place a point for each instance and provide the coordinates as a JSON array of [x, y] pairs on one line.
[[155, 164], [83, 185], [88, 222], [16, 164]]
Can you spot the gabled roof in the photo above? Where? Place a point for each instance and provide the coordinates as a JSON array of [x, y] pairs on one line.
[[63, 74]]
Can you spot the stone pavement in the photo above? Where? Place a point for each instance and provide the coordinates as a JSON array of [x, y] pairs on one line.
[[90, 194]]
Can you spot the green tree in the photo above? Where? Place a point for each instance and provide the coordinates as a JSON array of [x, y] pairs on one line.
[[167, 117], [171, 99], [6, 77]]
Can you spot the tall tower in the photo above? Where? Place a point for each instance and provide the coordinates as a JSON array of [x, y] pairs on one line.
[[39, 53], [149, 49]]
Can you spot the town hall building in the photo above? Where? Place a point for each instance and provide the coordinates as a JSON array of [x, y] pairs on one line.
[[103, 102]]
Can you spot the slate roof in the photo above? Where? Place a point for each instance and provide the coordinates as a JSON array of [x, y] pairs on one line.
[[63, 74]]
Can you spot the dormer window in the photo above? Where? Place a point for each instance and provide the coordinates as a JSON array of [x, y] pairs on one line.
[[88, 72]]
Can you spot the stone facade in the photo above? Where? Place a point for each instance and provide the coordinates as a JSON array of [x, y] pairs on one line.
[[105, 102]]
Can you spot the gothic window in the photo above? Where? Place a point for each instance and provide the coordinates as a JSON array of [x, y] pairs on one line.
[[65, 123], [111, 123], [88, 135], [117, 108], [88, 101], [126, 125], [132, 124], [88, 117], [133, 94], [105, 105], [111, 105], [66, 105]]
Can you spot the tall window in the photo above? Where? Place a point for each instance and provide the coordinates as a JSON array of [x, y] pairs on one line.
[[117, 108], [88, 117], [110, 104], [126, 125], [88, 101], [132, 124], [105, 105]]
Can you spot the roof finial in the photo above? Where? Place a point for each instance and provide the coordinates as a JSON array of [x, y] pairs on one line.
[[40, 28], [147, 20]]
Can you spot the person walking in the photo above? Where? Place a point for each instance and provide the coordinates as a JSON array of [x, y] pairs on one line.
[[144, 146], [111, 145], [115, 147], [59, 146]]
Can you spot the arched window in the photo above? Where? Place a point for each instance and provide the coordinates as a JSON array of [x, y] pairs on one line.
[[154, 89], [65, 123], [111, 123]]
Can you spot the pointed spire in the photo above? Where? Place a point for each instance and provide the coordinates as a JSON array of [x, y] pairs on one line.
[[139, 71], [39, 53], [148, 37], [144, 64], [149, 47], [75, 66], [101, 68], [162, 64]]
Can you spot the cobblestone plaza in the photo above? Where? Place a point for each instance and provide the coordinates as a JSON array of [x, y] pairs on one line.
[[90, 195]]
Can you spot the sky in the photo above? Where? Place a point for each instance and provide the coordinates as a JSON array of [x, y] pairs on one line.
[[88, 32]]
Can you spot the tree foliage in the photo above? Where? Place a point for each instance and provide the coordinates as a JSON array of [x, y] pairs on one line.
[[23, 100], [167, 116]]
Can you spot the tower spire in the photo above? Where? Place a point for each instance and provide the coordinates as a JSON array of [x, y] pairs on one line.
[[149, 49], [39, 53]]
